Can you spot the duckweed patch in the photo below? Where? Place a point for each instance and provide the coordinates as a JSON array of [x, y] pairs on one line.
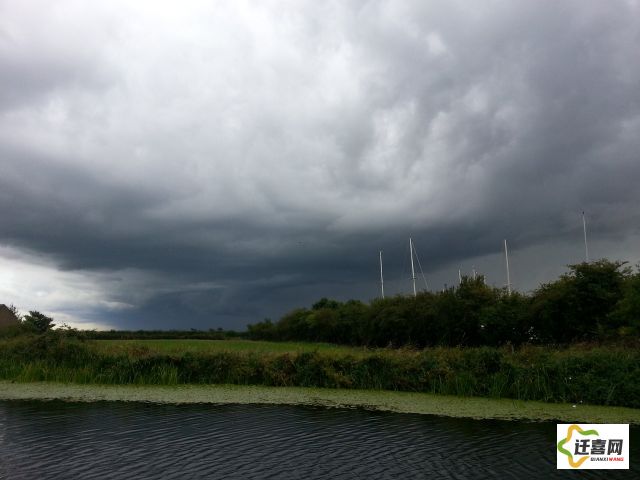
[[400, 402]]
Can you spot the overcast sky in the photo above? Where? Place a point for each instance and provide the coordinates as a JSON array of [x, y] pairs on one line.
[[202, 164]]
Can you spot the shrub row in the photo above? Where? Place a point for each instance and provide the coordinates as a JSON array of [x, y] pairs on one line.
[[593, 302]]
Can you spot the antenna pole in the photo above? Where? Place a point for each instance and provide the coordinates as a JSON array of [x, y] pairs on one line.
[[413, 272], [584, 228], [506, 257], [381, 277]]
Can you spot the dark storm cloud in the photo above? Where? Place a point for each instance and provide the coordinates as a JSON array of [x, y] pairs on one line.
[[209, 166]]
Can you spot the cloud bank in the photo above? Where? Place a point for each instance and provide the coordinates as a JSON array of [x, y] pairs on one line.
[[202, 165]]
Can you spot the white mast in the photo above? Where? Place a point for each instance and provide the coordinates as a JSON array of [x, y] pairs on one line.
[[459, 277], [584, 227], [381, 277], [506, 257], [413, 272]]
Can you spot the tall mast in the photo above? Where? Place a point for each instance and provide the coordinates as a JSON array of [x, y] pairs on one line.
[[413, 272], [459, 277], [506, 258], [584, 228], [381, 277]]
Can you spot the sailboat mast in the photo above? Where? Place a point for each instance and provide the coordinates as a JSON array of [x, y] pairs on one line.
[[584, 228], [506, 258], [381, 277], [413, 272]]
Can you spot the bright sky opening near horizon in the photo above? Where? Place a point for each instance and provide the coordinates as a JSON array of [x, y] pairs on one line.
[[203, 164]]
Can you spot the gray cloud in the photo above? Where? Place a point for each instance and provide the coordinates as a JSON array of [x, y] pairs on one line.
[[210, 166]]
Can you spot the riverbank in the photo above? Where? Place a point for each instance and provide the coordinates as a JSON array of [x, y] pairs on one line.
[[400, 402], [594, 375]]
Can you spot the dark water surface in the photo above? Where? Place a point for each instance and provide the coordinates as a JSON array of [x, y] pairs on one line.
[[58, 440]]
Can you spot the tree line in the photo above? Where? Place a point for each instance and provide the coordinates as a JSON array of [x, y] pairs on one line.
[[592, 301]]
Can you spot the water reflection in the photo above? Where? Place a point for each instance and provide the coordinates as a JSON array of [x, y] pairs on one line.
[[51, 440]]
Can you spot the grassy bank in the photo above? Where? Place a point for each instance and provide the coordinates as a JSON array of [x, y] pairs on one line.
[[577, 375], [401, 402]]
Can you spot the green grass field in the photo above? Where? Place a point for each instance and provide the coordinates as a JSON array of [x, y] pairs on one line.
[[176, 347]]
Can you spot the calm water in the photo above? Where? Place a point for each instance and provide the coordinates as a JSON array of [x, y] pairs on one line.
[[57, 440]]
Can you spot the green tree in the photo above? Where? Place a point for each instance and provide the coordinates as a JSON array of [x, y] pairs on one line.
[[626, 316], [579, 305], [322, 325], [325, 303], [293, 325], [38, 322], [474, 298], [350, 328], [506, 320], [389, 322], [264, 330], [598, 289]]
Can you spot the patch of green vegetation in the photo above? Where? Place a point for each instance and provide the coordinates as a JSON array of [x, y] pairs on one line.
[[174, 347], [580, 374], [401, 402]]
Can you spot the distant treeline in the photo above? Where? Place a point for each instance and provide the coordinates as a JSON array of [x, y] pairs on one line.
[[594, 301], [38, 323]]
